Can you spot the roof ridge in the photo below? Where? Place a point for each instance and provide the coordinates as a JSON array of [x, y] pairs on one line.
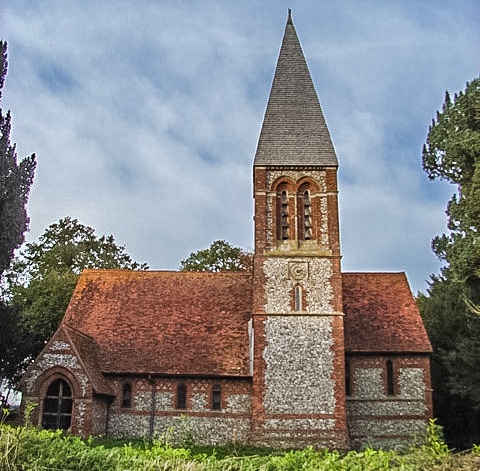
[[373, 272], [114, 271]]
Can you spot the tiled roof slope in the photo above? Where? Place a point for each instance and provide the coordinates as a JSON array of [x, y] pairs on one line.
[[88, 352], [381, 314], [294, 131], [165, 322]]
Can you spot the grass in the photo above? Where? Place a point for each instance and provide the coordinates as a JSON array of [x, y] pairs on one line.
[[29, 449]]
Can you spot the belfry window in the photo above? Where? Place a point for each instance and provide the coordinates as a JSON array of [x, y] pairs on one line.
[[284, 216], [57, 406], [307, 216], [181, 402], [216, 397]]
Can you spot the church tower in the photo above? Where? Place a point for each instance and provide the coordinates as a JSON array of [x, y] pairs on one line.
[[298, 368]]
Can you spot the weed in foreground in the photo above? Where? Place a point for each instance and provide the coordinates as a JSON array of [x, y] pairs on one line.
[[28, 449]]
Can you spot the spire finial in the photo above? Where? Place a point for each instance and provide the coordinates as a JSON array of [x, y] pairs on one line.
[[289, 21]]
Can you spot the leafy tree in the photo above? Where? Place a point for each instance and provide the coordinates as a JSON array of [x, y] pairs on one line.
[[69, 246], [220, 256], [15, 181], [450, 308], [43, 277]]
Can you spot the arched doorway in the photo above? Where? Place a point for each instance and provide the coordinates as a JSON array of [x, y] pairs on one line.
[[57, 406]]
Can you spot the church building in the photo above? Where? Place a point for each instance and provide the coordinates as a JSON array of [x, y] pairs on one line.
[[293, 353]]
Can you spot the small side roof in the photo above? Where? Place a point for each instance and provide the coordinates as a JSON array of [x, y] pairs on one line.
[[88, 352], [294, 131], [70, 342], [381, 315], [157, 322]]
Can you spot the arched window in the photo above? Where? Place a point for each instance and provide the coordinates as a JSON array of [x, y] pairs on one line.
[[216, 397], [307, 216], [181, 402], [284, 225], [390, 379], [127, 395], [57, 406], [298, 305], [348, 385]]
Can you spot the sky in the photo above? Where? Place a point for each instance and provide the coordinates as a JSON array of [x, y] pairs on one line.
[[145, 116]]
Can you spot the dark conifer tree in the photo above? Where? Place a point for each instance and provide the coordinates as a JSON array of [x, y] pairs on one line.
[[451, 307], [15, 181]]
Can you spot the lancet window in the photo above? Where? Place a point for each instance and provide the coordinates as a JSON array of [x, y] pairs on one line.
[[390, 378], [348, 385], [216, 397], [127, 395], [285, 230], [298, 298], [307, 216], [294, 210], [181, 402]]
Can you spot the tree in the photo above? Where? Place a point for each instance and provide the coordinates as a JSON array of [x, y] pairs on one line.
[[455, 385], [450, 309], [220, 256], [43, 276], [452, 153], [14, 352], [15, 182], [69, 246]]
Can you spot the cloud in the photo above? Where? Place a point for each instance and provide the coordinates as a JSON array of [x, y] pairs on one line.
[[145, 116]]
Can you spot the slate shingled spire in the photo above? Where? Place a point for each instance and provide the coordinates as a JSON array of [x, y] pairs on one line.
[[294, 132]]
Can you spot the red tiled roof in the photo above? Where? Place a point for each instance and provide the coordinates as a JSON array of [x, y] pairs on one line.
[[165, 322], [196, 323], [381, 314], [87, 350]]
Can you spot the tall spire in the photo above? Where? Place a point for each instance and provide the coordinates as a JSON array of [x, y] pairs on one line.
[[294, 131]]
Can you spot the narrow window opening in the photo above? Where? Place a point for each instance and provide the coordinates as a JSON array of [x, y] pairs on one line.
[[57, 406], [307, 216], [127, 395], [348, 386], [390, 379], [284, 216], [181, 396], [298, 298], [216, 397]]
